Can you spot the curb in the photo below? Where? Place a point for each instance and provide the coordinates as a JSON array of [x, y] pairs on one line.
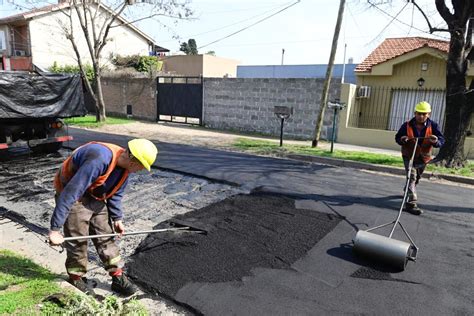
[[372, 167]]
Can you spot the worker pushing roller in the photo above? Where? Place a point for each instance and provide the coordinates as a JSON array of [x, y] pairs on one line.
[[417, 138], [429, 134], [89, 188]]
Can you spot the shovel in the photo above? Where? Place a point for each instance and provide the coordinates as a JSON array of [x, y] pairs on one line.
[[174, 229], [183, 229]]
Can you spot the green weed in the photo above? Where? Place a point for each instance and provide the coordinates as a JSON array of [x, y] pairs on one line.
[[90, 121]]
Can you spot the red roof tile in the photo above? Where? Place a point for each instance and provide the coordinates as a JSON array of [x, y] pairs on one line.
[[394, 47]]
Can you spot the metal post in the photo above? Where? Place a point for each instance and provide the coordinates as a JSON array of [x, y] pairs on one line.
[[333, 129], [281, 131]]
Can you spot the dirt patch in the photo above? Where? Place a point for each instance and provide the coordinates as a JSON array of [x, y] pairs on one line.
[[177, 134]]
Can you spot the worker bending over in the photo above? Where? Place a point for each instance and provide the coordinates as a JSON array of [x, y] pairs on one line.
[[89, 188]]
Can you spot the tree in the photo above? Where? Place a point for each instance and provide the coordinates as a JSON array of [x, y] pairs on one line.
[[96, 21], [189, 48], [459, 98]]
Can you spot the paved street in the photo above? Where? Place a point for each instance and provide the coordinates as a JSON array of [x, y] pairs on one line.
[[328, 279]]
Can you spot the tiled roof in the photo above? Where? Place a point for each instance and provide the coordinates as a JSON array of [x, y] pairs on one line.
[[394, 47], [63, 5], [32, 13]]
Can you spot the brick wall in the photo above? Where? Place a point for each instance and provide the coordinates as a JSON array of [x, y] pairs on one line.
[[246, 104], [238, 104], [138, 92]]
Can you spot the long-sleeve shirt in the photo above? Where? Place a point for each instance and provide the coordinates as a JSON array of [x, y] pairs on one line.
[[434, 128], [90, 161]]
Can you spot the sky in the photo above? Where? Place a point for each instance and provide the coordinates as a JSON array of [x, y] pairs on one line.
[[304, 29]]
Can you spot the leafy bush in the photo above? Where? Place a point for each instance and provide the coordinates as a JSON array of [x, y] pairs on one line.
[[148, 63], [139, 63], [73, 69]]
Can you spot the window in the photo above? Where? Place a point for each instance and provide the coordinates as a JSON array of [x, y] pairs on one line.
[[3, 45]]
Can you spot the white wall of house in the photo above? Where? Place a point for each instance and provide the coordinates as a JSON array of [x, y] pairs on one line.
[[49, 44]]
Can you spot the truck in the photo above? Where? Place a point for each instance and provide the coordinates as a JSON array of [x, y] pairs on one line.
[[33, 106]]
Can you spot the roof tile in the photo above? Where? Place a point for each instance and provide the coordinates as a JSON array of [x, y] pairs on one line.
[[394, 47]]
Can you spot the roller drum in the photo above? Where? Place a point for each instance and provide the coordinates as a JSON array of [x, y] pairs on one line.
[[387, 250]]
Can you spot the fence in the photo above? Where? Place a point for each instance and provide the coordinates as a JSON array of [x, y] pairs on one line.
[[386, 108]]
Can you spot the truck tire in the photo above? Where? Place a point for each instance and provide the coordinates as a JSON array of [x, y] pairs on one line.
[[47, 148]]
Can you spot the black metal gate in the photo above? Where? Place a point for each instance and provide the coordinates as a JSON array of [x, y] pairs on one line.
[[179, 99]]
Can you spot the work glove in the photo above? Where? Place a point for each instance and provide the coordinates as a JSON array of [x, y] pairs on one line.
[[404, 139], [433, 139], [55, 237], [119, 227]]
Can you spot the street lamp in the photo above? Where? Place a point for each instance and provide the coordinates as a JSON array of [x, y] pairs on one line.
[[420, 82]]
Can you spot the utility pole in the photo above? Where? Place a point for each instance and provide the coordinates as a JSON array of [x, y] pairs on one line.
[[282, 55], [324, 96], [344, 64]]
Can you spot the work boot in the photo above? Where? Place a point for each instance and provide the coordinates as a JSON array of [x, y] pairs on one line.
[[412, 197], [412, 208], [122, 285], [80, 283]]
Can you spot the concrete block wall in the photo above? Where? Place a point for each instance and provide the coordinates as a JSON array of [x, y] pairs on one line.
[[140, 93], [246, 104]]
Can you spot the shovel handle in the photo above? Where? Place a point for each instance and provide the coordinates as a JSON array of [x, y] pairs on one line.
[[127, 234]]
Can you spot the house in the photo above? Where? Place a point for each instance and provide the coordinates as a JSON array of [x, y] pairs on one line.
[[36, 38], [201, 65], [298, 71], [399, 73]]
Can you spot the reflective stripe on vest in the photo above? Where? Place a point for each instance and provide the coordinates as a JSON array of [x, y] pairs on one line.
[[424, 147], [67, 171]]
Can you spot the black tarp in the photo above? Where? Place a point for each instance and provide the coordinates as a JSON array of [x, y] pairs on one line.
[[27, 95]]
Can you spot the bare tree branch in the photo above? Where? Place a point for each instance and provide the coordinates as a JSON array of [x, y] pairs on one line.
[[432, 29], [79, 60], [107, 29], [152, 16], [444, 11], [84, 27]]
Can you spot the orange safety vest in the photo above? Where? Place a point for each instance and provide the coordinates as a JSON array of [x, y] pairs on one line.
[[67, 171], [424, 148]]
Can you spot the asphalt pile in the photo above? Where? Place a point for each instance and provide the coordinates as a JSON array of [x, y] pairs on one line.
[[244, 232]]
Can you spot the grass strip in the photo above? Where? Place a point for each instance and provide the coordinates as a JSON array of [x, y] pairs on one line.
[[29, 289], [23, 284], [269, 148], [90, 121]]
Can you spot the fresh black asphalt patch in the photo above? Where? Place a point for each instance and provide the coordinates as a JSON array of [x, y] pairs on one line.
[[244, 232]]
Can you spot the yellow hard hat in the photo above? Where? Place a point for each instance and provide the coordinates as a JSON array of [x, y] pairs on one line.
[[423, 107], [144, 150]]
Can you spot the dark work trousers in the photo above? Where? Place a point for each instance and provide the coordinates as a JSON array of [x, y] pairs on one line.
[[415, 176], [90, 217]]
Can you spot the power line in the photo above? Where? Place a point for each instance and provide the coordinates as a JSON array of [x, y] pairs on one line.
[[228, 25], [406, 24], [247, 27], [244, 9], [391, 21]]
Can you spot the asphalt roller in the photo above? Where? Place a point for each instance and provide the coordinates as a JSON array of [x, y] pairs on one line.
[[387, 250]]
